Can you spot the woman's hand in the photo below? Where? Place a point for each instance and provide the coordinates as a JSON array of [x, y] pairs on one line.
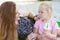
[[32, 36], [41, 37]]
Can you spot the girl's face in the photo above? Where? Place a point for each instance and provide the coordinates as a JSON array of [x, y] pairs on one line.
[[43, 13]]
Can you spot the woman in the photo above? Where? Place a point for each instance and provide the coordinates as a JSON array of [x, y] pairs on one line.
[[8, 29]]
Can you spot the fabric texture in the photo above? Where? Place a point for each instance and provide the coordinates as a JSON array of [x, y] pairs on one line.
[[40, 26], [25, 27]]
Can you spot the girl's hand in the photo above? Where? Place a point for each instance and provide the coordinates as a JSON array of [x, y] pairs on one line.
[[49, 35], [45, 32]]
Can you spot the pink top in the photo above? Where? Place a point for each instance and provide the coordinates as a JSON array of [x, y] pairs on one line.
[[40, 26]]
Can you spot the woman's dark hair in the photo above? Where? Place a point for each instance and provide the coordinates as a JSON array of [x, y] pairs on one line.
[[8, 15]]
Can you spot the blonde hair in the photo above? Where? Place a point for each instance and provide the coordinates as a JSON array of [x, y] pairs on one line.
[[48, 8]]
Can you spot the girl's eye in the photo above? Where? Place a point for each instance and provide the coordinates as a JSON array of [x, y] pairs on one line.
[[41, 12]]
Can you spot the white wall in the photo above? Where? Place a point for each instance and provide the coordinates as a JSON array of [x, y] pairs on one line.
[[30, 7], [34, 8], [56, 11]]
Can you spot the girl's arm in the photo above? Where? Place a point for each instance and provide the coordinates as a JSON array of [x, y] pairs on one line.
[[35, 30], [53, 35], [54, 31], [39, 37]]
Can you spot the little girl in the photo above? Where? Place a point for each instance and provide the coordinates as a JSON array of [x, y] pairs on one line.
[[45, 28]]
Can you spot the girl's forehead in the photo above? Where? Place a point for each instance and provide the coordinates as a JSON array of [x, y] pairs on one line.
[[42, 9], [43, 6]]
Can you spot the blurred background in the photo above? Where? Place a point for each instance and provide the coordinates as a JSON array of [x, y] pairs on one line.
[[24, 6]]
